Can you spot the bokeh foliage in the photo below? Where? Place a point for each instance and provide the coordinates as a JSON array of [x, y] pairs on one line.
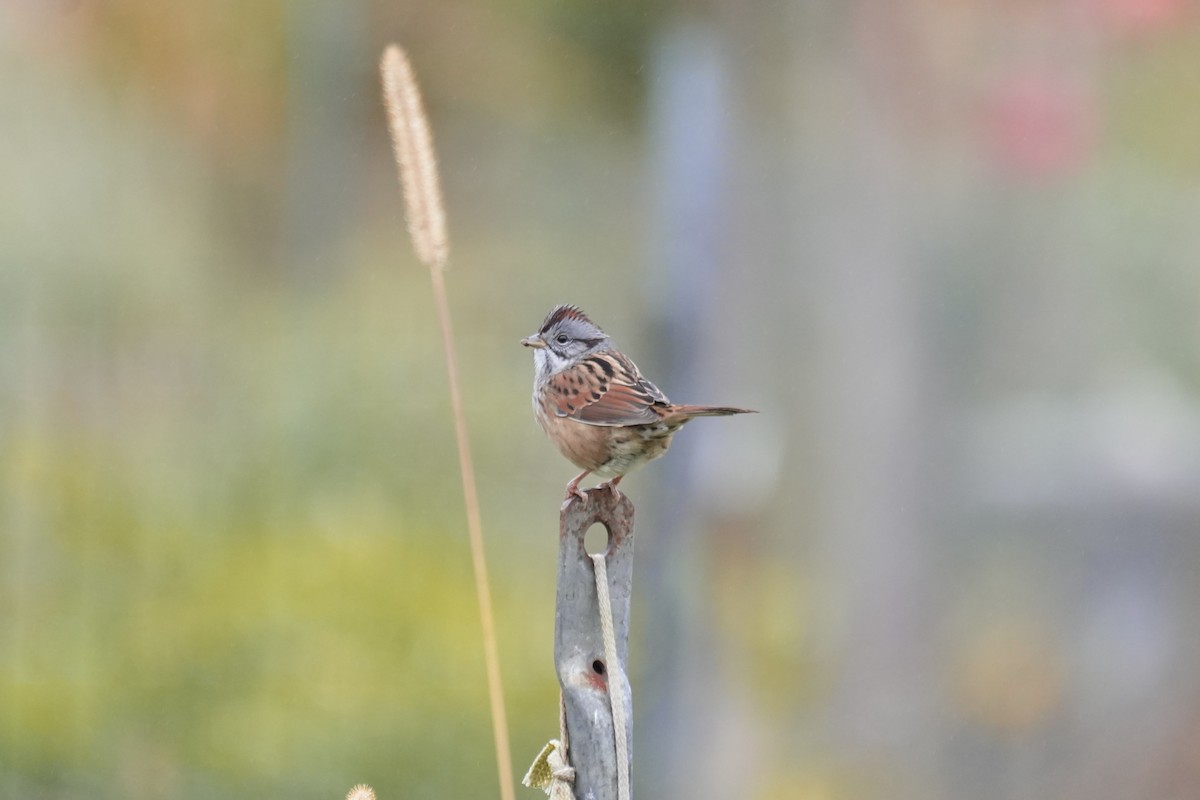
[[952, 261]]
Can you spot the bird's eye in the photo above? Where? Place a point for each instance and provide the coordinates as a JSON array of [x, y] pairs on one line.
[[561, 338]]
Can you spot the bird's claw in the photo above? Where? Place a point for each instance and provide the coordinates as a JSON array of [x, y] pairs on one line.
[[611, 486]]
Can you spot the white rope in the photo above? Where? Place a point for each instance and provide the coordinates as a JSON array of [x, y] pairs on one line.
[[562, 724], [616, 687]]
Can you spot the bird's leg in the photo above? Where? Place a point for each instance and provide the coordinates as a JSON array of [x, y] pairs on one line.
[[612, 486], [573, 486]]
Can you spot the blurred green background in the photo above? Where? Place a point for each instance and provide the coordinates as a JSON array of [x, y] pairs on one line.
[[949, 249]]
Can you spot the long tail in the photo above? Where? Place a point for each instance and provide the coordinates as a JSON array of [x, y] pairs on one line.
[[712, 411]]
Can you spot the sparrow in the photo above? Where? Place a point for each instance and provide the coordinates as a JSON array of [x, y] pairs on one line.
[[594, 404]]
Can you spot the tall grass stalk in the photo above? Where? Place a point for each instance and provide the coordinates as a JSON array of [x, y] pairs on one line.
[[413, 146]]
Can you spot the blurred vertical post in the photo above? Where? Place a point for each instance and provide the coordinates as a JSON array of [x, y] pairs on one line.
[[412, 142], [689, 133], [323, 119], [791, 179], [875, 434]]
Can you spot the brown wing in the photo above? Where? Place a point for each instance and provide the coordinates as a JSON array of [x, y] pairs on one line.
[[606, 389]]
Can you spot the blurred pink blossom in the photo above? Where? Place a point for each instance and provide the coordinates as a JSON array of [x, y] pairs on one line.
[[1037, 126], [1140, 16]]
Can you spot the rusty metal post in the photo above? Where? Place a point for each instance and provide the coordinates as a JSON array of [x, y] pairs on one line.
[[583, 672]]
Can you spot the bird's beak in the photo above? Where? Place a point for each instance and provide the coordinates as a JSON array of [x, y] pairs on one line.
[[536, 341]]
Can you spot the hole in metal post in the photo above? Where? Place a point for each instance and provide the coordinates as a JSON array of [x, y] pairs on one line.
[[596, 539], [598, 667]]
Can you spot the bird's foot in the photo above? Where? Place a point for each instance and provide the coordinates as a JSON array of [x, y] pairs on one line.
[[573, 489], [612, 486]]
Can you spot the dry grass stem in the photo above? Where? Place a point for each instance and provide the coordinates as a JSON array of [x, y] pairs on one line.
[[413, 146]]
